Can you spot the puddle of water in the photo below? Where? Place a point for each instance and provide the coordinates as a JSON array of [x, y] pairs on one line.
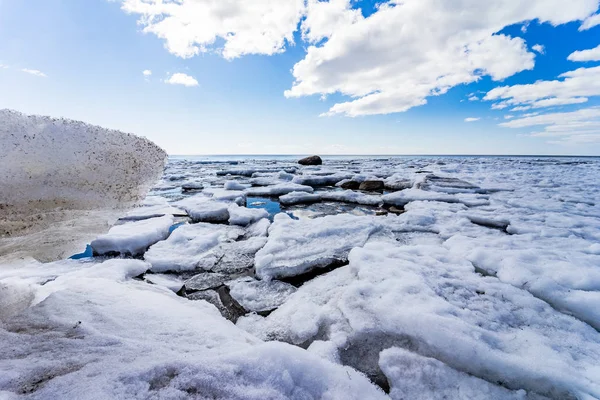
[[175, 226], [273, 207], [88, 252]]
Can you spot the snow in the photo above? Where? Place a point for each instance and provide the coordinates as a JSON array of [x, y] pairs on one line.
[[63, 182], [350, 196], [422, 378], [260, 296], [95, 336], [405, 196], [188, 245], [237, 196], [426, 300], [487, 286], [204, 209], [234, 185], [295, 247], [278, 189], [133, 238], [245, 216], [320, 180], [298, 198]]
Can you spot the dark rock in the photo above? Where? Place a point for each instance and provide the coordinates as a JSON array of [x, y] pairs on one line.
[[396, 210], [371, 185], [352, 185], [312, 160]]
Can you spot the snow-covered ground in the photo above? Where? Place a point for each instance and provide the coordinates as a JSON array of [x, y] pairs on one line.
[[454, 278]]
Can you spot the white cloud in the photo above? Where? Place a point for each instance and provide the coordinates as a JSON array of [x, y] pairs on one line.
[[586, 55], [191, 27], [581, 126], [389, 63], [34, 72], [538, 48], [574, 88], [509, 116], [520, 108], [182, 79], [590, 22], [473, 98], [146, 72], [472, 119]]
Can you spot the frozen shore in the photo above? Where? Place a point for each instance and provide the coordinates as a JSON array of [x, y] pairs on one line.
[[443, 277]]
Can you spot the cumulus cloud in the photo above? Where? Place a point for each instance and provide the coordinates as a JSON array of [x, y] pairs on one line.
[[146, 72], [574, 88], [387, 62], [34, 72], [590, 22], [180, 78], [230, 27], [581, 126], [538, 48], [471, 119], [585, 55], [473, 98]]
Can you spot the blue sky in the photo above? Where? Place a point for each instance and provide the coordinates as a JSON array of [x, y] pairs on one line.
[[92, 54]]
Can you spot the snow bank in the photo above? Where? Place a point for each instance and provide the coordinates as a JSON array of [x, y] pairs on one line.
[[405, 196], [50, 163], [350, 196], [299, 198], [109, 337], [133, 238]]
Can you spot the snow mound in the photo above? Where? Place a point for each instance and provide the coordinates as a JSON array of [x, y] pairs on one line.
[[427, 301], [49, 163], [96, 333], [260, 296], [133, 238], [279, 189]]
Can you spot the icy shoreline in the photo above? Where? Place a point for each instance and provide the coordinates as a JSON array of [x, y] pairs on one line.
[[463, 278]]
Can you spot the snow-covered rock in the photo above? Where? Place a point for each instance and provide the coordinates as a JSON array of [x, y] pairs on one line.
[[234, 185], [405, 196], [133, 238], [320, 180], [245, 216], [237, 196]]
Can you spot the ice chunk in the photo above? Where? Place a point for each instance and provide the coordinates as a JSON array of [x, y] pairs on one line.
[[299, 198], [350, 196], [237, 196], [421, 378], [295, 247], [405, 196], [188, 245], [260, 296], [133, 238], [279, 189], [245, 216], [234, 185], [320, 180], [204, 209]]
